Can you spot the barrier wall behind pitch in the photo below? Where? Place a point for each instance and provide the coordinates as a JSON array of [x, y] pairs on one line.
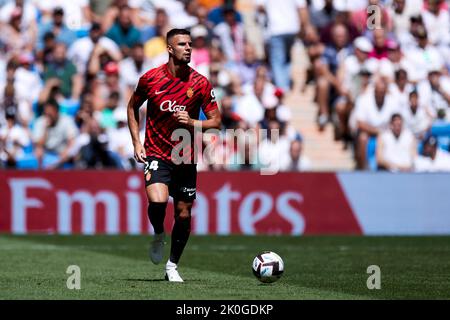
[[113, 202]]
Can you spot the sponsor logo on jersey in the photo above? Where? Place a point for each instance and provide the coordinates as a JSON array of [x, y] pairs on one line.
[[171, 106]]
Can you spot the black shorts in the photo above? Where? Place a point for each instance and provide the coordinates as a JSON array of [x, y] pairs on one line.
[[181, 179]]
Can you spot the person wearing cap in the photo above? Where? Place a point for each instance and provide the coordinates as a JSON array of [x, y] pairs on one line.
[[200, 51], [58, 27], [350, 77], [432, 158]]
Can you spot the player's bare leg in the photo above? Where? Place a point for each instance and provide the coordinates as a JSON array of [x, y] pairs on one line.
[[158, 195], [180, 235]]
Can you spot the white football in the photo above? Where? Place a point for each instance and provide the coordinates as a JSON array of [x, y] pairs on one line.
[[268, 267]]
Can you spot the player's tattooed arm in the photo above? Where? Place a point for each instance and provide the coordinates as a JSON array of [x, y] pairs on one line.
[[133, 124]]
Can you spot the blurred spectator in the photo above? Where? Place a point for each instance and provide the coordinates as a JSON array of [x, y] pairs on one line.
[[436, 20], [104, 86], [295, 160], [245, 155], [123, 32], [416, 117], [58, 28], [61, 68], [246, 69], [401, 88], [396, 147], [380, 44], [53, 135], [372, 114], [273, 146], [284, 22], [13, 139], [200, 60], [423, 55], [16, 39], [434, 92], [353, 78], [432, 158], [216, 15], [81, 50], [131, 68], [401, 12], [120, 141], [158, 29], [231, 35], [363, 21], [325, 69], [26, 7], [230, 119], [45, 54], [112, 13], [323, 14], [155, 47], [94, 152], [78, 13]]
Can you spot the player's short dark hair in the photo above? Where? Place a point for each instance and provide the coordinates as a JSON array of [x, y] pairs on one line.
[[175, 32]]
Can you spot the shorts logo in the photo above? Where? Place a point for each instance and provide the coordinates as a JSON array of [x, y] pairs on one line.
[[171, 106], [190, 191], [190, 92]]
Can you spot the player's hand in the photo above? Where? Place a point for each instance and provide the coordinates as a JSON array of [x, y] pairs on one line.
[[183, 117], [139, 153]]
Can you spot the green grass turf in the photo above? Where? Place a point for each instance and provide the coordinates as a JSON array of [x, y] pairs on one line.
[[117, 267]]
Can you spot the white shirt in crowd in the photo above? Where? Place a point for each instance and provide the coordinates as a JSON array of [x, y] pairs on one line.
[[80, 51], [74, 17], [269, 153], [12, 136], [441, 162], [282, 16], [58, 135], [287, 164], [366, 111], [397, 151], [422, 59], [418, 122], [433, 100], [128, 72]]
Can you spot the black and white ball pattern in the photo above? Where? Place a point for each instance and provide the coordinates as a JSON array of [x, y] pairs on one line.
[[268, 267]]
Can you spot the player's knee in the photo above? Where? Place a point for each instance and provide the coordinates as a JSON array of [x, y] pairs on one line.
[[184, 211]]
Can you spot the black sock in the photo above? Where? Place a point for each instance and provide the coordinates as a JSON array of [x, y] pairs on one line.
[[180, 235], [156, 213]]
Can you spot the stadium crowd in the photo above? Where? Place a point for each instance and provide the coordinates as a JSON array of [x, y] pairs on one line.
[[380, 71]]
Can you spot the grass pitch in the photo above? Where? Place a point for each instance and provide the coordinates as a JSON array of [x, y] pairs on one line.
[[117, 267]]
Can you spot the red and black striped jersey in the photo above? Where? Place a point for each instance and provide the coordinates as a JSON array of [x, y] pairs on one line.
[[166, 95]]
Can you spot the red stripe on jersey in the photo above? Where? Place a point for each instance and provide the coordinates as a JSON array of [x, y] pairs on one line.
[[165, 95]]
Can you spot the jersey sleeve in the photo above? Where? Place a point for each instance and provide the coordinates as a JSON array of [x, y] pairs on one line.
[[141, 88], [209, 99]]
